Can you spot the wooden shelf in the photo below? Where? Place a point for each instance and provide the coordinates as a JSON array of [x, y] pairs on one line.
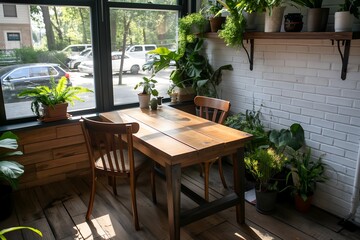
[[343, 37]]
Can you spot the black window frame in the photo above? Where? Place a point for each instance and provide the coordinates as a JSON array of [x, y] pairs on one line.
[[100, 26]]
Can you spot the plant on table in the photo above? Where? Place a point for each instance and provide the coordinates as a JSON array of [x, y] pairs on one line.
[[148, 88]]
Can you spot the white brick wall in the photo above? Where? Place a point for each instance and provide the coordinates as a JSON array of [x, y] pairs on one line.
[[299, 81]]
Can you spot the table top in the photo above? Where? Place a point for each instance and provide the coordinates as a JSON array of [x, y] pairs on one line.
[[172, 136]]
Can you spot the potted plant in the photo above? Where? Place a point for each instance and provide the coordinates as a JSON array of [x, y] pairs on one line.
[[148, 89], [264, 164], [53, 100], [215, 18], [7, 230], [10, 171], [306, 173], [344, 17], [317, 16]]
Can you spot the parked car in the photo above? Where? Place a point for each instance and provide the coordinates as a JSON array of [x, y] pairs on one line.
[[75, 49], [131, 64], [74, 61], [140, 51], [16, 78]]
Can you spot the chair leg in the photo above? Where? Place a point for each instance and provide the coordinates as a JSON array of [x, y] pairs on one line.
[[114, 185], [153, 186], [221, 173], [92, 196], [133, 202], [206, 180]]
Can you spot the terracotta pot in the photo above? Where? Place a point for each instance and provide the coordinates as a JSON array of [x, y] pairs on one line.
[[301, 205], [216, 23], [343, 21], [57, 112], [144, 100]]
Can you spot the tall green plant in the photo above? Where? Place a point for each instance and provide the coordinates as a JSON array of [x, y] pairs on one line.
[[10, 171]]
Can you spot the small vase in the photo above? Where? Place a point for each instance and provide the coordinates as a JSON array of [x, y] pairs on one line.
[[343, 21], [144, 100], [273, 21], [293, 22]]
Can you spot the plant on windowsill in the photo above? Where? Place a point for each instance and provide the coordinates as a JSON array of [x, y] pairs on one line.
[[53, 100], [344, 17], [305, 173], [148, 89], [10, 171]]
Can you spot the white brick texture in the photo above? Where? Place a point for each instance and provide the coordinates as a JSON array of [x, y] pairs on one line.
[[299, 81]]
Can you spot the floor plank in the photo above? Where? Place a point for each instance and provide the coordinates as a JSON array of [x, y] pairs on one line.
[[59, 209]]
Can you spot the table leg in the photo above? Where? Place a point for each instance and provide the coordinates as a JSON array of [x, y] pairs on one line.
[[239, 183], [173, 182]]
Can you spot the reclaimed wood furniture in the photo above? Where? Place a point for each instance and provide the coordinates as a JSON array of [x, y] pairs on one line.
[[176, 139], [111, 153], [215, 110]]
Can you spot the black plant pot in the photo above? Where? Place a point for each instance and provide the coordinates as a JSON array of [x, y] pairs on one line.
[[6, 203], [265, 201], [293, 22]]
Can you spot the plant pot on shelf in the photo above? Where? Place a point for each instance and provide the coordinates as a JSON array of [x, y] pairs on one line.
[[216, 23], [265, 201], [185, 94], [293, 22], [144, 100], [343, 21], [317, 19], [250, 19], [273, 22]]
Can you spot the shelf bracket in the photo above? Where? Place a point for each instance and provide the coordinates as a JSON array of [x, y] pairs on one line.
[[251, 55], [344, 56]]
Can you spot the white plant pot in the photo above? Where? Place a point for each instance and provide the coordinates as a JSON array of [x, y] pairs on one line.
[[144, 100], [273, 22], [343, 21]]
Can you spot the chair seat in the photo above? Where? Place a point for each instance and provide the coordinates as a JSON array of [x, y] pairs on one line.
[[139, 160]]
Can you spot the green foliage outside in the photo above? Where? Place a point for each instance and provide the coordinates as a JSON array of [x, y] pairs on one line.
[[30, 55]]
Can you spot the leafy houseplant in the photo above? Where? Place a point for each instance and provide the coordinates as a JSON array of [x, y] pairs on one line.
[[148, 89], [292, 137], [264, 164], [344, 17], [216, 20], [305, 174], [10, 171], [249, 122], [51, 97], [7, 230]]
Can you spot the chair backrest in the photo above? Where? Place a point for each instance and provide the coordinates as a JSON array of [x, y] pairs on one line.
[[110, 143], [213, 109]]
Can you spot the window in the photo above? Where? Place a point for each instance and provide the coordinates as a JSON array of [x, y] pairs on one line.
[[13, 36], [77, 27], [9, 10]]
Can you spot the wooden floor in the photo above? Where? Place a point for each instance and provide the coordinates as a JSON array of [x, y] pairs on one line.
[[58, 210]]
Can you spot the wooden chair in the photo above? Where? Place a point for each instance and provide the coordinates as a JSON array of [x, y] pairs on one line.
[[215, 110], [111, 153]]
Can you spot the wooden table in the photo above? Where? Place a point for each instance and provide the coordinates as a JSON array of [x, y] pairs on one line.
[[176, 139]]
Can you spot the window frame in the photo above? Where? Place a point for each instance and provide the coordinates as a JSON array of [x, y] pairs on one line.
[[100, 22], [7, 12]]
